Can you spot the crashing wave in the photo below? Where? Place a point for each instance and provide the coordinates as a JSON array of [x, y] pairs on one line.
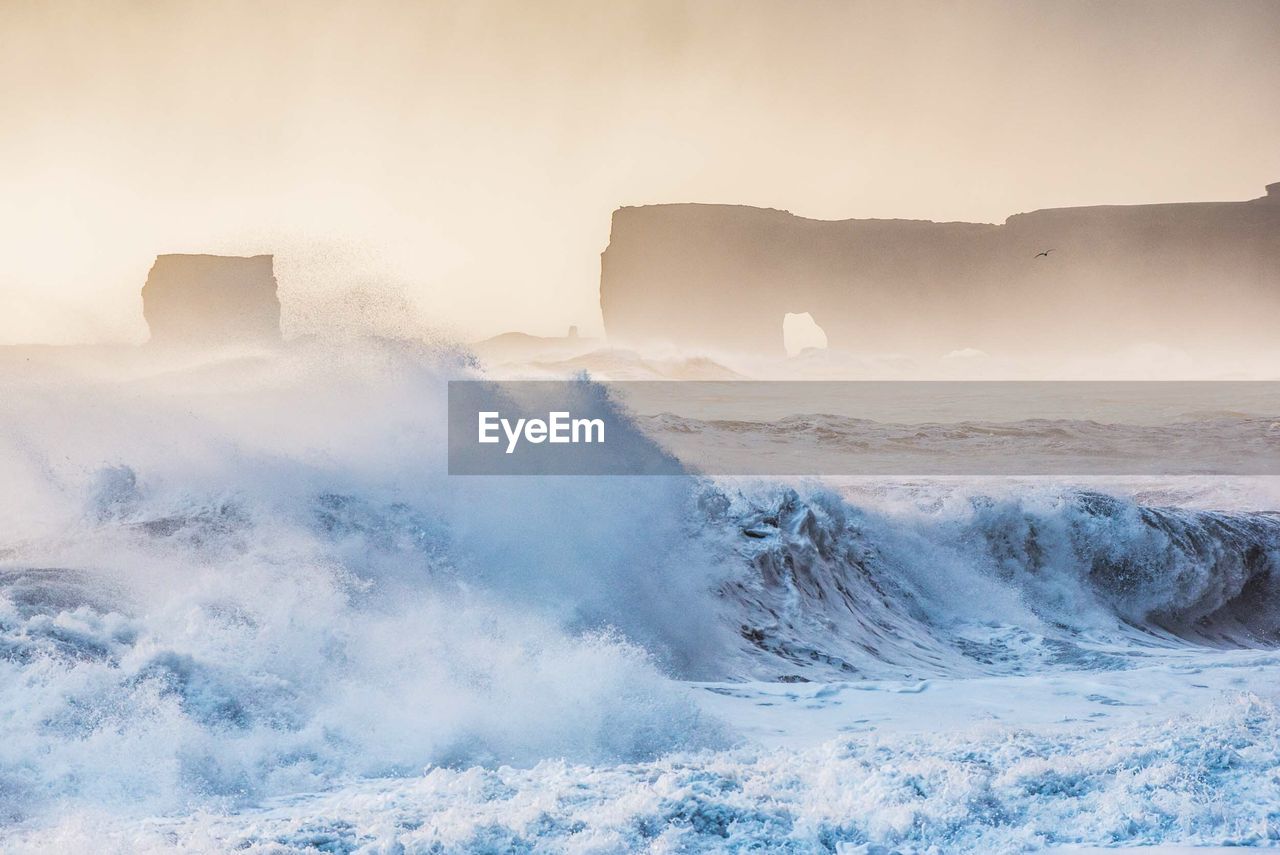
[[1063, 578], [220, 589]]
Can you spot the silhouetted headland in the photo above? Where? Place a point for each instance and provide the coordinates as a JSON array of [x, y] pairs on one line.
[[723, 277], [522, 347]]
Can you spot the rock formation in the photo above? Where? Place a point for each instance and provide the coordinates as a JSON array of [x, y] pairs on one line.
[[517, 347], [723, 277], [211, 300]]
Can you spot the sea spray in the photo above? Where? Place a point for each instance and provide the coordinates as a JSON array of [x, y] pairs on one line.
[[234, 583]]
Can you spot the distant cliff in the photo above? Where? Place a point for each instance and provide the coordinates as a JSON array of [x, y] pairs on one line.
[[209, 300], [723, 276]]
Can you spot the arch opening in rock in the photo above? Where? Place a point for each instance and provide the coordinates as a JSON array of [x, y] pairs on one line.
[[801, 332]]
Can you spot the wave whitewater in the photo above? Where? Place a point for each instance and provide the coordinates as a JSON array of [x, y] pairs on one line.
[[226, 586]]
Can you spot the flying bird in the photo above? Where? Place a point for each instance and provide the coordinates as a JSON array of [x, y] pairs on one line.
[[1045, 253]]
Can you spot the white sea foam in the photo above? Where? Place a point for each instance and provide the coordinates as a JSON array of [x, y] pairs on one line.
[[242, 606]]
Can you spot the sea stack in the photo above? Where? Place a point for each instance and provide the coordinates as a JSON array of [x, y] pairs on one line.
[[212, 300]]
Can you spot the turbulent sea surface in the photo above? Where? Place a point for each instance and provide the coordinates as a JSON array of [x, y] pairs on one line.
[[244, 609]]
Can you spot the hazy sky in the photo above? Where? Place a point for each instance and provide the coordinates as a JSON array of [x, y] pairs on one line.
[[470, 153]]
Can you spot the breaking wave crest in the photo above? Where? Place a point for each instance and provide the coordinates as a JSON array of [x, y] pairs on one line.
[[1046, 578], [230, 582]]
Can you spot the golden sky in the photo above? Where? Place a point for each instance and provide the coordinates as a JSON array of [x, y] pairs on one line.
[[470, 153]]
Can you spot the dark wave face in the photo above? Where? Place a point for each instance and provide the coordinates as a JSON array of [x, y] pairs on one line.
[[836, 587]]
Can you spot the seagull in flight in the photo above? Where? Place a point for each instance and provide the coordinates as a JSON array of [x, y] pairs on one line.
[[1045, 253]]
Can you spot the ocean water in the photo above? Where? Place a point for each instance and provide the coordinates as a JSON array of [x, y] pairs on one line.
[[244, 609]]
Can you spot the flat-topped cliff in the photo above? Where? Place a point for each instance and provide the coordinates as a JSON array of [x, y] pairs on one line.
[[209, 300], [723, 277]]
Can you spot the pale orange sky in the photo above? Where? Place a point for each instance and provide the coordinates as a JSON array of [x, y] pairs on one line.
[[470, 153]]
